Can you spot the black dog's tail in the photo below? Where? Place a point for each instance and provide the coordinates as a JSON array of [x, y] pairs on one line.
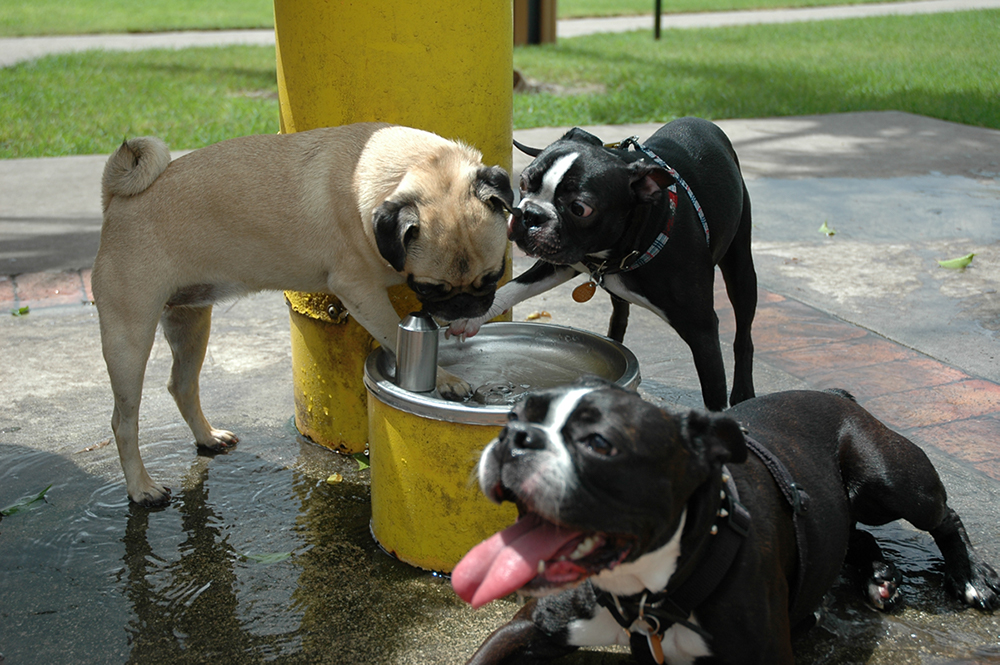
[[531, 152]]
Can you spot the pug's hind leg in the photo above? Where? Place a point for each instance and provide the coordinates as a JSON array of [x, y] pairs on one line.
[[187, 330]]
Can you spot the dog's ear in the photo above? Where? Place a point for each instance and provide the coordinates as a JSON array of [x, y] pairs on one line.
[[396, 226], [577, 134], [717, 437], [493, 188], [529, 151], [648, 181]]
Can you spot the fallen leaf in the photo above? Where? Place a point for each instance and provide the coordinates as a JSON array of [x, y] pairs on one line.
[[96, 446], [362, 461], [24, 504], [335, 478], [826, 229], [273, 557], [534, 316], [20, 311], [956, 264]]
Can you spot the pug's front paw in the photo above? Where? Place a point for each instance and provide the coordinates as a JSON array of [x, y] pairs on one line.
[[464, 328], [451, 387]]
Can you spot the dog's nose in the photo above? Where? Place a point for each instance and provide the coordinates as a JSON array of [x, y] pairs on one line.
[[533, 215], [522, 436]]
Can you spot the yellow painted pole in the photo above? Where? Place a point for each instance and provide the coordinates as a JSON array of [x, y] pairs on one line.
[[441, 66]]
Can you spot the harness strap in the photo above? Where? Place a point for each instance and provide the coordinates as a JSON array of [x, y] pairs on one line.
[[636, 259], [647, 616], [634, 141], [796, 497]]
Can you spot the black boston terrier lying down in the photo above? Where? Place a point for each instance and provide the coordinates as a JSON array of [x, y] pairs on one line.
[[696, 535]]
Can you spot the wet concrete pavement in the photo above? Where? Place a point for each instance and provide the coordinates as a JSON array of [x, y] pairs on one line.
[[259, 558]]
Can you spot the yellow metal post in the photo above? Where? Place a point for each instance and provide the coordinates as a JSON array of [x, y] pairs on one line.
[[441, 66]]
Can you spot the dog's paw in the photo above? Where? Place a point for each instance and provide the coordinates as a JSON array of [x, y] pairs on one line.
[[451, 387], [882, 588], [151, 495], [981, 590], [219, 441], [463, 328]]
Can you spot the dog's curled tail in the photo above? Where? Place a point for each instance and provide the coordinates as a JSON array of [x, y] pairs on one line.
[[133, 167]]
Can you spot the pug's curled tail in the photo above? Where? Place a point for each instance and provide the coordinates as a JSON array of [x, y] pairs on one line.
[[133, 167]]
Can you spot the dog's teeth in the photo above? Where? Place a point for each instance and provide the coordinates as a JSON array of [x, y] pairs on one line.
[[585, 547], [541, 567]]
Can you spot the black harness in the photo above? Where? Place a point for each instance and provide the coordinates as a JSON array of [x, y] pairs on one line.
[[643, 242], [648, 615]]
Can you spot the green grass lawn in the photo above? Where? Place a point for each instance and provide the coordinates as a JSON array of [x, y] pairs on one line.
[[945, 66], [578, 8], [59, 17]]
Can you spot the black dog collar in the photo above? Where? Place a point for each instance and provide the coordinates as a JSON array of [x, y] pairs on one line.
[[635, 258], [647, 616]]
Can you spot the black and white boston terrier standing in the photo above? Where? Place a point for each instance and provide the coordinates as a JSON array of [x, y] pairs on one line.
[[648, 223], [696, 535]]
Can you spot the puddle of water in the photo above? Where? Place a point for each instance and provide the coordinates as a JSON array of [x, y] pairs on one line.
[[259, 559], [930, 629], [252, 561]]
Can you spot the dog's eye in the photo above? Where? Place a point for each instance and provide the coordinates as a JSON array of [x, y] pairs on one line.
[[522, 184], [580, 209], [599, 445], [428, 290]]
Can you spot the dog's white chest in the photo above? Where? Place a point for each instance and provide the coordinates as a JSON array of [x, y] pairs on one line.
[[680, 645]]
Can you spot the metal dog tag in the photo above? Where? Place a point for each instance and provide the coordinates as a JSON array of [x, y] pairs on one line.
[[646, 647], [585, 291]]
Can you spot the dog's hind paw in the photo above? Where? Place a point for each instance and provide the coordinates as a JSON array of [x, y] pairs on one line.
[[151, 497], [981, 590], [882, 588]]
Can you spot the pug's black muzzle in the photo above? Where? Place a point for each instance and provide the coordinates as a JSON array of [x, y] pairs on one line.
[[462, 305]]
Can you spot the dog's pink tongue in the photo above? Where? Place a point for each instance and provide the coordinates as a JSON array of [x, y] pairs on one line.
[[507, 560]]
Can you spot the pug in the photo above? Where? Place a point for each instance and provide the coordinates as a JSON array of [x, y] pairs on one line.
[[349, 210]]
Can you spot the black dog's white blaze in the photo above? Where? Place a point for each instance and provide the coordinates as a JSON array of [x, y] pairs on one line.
[[555, 473], [545, 197]]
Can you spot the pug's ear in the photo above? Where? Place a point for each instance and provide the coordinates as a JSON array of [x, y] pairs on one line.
[[717, 438], [396, 226], [493, 188]]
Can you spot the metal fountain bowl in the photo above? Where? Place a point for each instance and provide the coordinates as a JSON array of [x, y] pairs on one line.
[[426, 508], [503, 361]]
